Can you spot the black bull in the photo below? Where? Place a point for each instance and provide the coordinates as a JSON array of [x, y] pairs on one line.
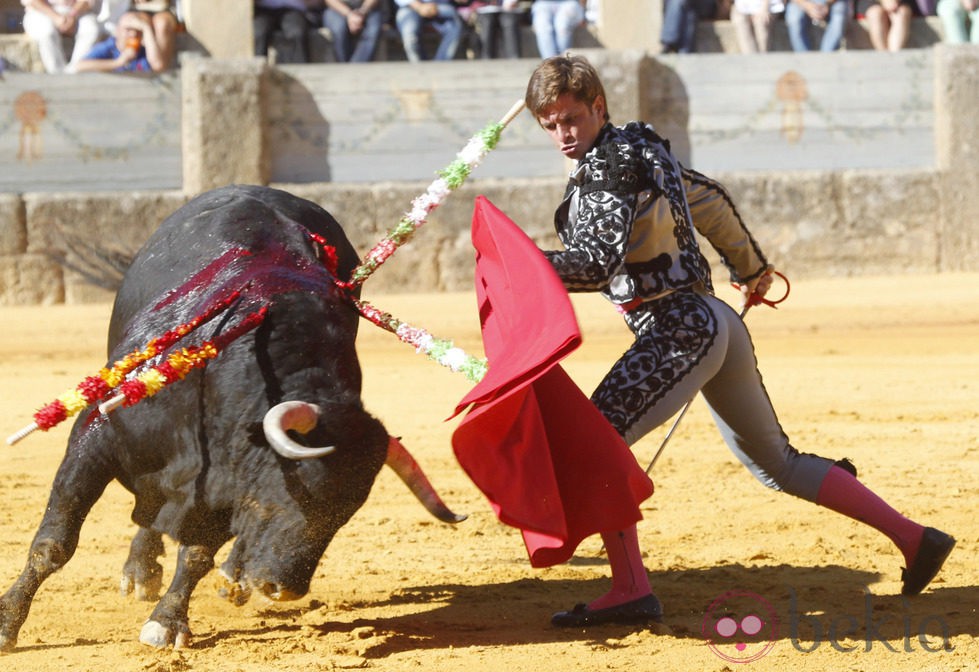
[[210, 458]]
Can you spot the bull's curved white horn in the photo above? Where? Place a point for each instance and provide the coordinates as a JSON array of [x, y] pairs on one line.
[[295, 415], [405, 466]]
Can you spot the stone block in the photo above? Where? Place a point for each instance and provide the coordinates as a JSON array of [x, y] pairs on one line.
[[957, 154], [94, 234], [30, 279], [217, 96], [19, 53], [621, 71], [352, 205], [415, 266], [792, 216], [80, 290], [13, 230], [890, 222]]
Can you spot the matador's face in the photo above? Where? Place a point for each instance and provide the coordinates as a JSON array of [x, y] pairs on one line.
[[573, 125]]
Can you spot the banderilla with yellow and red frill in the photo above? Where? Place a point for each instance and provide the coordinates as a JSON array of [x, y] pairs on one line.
[[131, 389]]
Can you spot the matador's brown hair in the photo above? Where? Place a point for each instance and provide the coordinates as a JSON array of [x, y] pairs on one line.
[[559, 75]]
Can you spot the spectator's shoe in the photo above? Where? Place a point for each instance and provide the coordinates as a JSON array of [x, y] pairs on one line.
[[639, 611], [935, 547]]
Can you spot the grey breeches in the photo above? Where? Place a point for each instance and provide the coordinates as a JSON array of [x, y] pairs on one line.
[[688, 342]]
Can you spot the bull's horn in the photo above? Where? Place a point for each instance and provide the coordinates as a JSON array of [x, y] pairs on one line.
[[296, 415], [405, 466]]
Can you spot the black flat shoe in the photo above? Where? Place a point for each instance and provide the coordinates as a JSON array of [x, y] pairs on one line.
[[935, 547], [643, 610]]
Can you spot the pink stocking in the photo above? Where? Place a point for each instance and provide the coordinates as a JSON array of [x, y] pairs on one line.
[[843, 493], [629, 578]]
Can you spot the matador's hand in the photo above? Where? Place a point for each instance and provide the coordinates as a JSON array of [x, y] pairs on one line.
[[758, 286], [753, 291]]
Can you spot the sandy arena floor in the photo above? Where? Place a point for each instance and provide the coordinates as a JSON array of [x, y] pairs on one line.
[[884, 371]]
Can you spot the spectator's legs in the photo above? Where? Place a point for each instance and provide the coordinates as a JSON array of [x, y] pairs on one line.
[[954, 21], [672, 33], [367, 40], [797, 25], [449, 25], [336, 23], [762, 24], [510, 30], [487, 26], [165, 31], [542, 19], [263, 23], [86, 35], [900, 28], [878, 26], [839, 14], [744, 31], [295, 30], [695, 11], [409, 26], [688, 36], [41, 30], [567, 18]]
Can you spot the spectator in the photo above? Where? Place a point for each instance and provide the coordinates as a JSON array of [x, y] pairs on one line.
[[680, 17], [133, 48], [554, 23], [163, 19], [355, 26], [47, 22], [498, 25], [294, 18], [888, 22], [960, 20], [751, 20], [442, 15], [832, 15]]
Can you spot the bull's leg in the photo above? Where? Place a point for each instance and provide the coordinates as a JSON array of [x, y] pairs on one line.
[[142, 573], [230, 585], [168, 624], [79, 483]]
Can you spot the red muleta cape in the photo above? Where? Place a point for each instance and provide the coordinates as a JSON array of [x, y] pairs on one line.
[[545, 457]]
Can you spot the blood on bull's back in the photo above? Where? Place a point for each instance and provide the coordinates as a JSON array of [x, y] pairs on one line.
[[236, 306]]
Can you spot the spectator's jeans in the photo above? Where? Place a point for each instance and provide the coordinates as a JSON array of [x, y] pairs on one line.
[[41, 30], [680, 23], [295, 29], [797, 23], [554, 23], [956, 22], [349, 48], [448, 23], [503, 25]]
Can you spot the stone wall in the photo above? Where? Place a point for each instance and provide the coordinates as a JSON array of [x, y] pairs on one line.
[[832, 222]]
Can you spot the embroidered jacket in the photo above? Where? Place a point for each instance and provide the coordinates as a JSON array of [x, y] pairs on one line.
[[628, 218]]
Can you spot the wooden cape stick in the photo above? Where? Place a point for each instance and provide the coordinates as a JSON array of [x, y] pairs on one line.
[[440, 350]]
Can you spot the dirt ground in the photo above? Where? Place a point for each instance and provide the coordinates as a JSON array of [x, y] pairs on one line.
[[884, 371]]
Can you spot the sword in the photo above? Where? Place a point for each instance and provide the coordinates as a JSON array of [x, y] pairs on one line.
[[753, 300]]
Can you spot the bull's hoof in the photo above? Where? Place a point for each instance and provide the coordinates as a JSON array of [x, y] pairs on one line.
[[236, 593], [144, 591], [159, 636], [277, 593], [7, 644]]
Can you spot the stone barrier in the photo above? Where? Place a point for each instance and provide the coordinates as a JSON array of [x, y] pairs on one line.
[[844, 219]]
